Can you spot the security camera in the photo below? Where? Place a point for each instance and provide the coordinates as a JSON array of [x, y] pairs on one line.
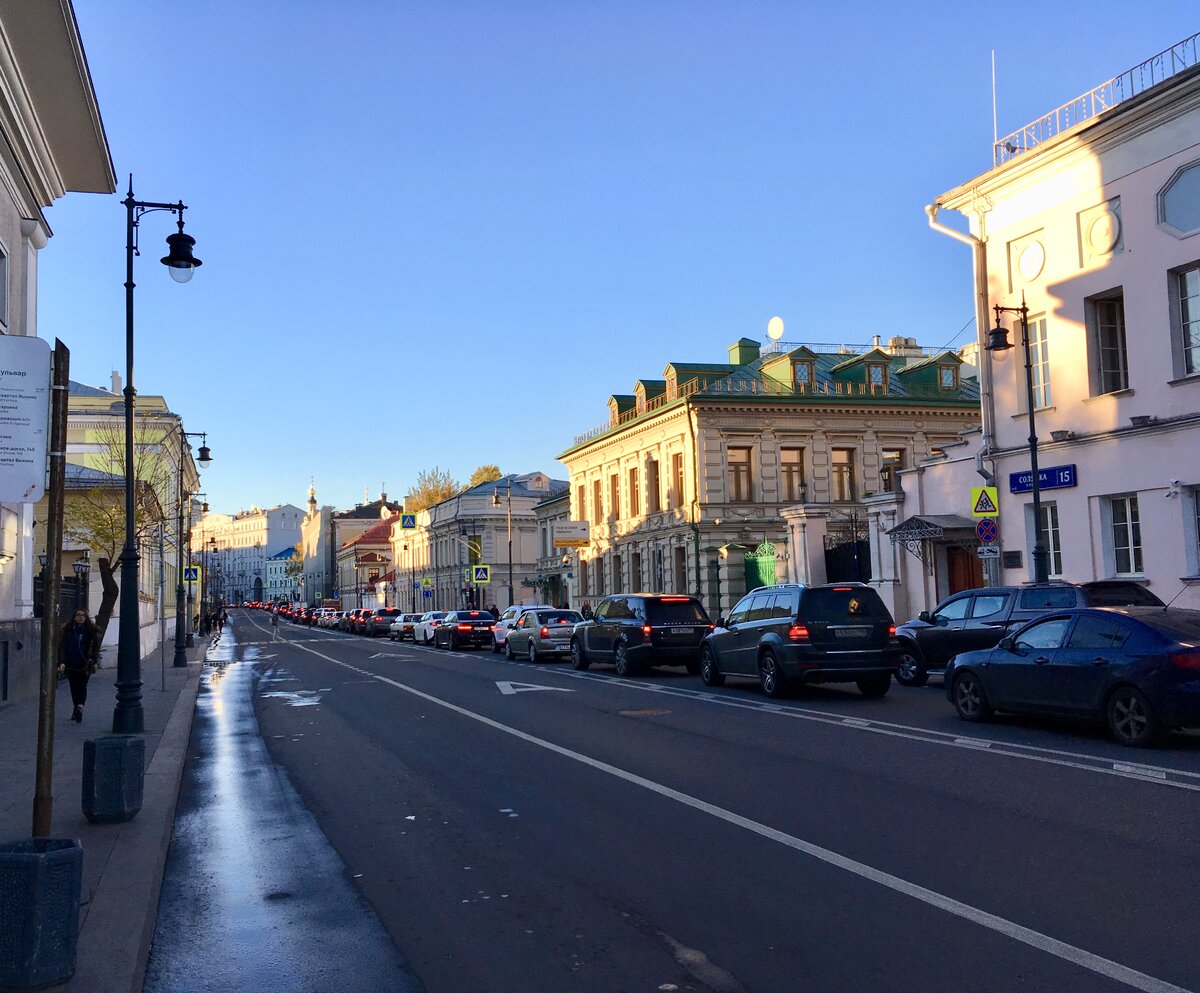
[[1174, 482]]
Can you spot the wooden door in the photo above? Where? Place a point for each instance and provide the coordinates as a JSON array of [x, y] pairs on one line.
[[965, 571]]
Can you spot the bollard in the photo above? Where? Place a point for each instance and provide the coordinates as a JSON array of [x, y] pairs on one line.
[[113, 771], [41, 880]]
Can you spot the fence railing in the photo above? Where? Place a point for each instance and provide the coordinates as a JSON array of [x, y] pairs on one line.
[[775, 347], [1167, 63]]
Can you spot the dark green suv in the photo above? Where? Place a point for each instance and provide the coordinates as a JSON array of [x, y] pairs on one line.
[[780, 635]]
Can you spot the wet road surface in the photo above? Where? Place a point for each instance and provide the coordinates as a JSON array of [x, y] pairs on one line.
[[254, 897]]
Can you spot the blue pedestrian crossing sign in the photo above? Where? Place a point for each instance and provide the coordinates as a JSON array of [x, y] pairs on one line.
[[408, 521], [191, 574], [481, 574]]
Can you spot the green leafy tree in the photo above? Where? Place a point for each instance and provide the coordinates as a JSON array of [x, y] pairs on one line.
[[295, 566], [432, 486], [484, 474]]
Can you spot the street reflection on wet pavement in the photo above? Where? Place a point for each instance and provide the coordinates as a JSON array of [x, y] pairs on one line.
[[254, 897]]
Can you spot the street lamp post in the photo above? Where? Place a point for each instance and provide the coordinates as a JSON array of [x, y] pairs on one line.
[[998, 342], [204, 460], [81, 566], [496, 503], [128, 716]]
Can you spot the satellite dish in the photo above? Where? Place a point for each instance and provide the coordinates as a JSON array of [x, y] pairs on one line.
[[775, 328]]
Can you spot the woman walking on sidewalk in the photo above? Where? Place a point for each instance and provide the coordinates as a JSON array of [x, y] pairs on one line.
[[78, 655]]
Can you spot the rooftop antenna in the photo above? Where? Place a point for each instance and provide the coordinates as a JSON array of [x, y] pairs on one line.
[[995, 132], [1187, 585]]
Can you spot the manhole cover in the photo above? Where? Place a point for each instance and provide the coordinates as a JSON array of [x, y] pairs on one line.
[[647, 712]]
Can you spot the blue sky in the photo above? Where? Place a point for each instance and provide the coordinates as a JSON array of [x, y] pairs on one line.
[[443, 233]]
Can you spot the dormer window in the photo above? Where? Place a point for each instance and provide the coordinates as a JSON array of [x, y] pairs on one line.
[[948, 377], [877, 375], [803, 372]]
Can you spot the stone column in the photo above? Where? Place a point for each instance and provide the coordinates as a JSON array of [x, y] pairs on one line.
[[807, 525], [884, 511]]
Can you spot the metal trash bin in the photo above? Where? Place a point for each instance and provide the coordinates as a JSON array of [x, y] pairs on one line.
[[40, 884], [113, 773]]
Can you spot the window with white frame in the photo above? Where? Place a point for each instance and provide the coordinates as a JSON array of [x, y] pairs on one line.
[[1185, 291], [791, 472], [841, 473], [1039, 357], [1126, 533], [1106, 343], [738, 461], [1053, 539]]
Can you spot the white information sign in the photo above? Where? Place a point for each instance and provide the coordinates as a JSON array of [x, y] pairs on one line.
[[24, 417], [571, 534]]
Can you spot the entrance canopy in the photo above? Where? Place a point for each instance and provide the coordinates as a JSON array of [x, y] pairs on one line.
[[918, 531]]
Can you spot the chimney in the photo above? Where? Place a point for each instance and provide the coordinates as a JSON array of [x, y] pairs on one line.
[[743, 351], [116, 381]]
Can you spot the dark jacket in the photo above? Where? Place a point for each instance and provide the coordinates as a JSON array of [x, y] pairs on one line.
[[78, 647]]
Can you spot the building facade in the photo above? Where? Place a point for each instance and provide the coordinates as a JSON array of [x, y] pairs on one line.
[[685, 487], [238, 546], [279, 582], [363, 564], [553, 562], [492, 524], [1095, 228], [54, 144]]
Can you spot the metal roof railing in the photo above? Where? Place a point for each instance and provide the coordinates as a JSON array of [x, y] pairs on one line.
[[1167, 63]]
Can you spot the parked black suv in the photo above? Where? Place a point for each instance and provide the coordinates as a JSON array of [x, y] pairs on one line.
[[839, 633], [977, 619], [638, 630]]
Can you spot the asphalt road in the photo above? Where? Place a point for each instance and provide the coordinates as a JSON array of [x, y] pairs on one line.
[[525, 828]]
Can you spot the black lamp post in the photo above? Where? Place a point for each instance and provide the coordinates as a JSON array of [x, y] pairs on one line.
[[998, 342], [128, 717], [496, 503], [204, 459], [81, 567]]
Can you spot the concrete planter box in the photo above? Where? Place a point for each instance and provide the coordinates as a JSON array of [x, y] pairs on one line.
[[113, 772], [40, 884]]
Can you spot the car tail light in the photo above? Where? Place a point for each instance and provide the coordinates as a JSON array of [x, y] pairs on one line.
[[891, 630], [1186, 660], [464, 627], [646, 630], [545, 632], [676, 599], [797, 632], [842, 589]]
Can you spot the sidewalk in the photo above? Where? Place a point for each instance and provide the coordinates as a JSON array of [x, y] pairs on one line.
[[122, 863]]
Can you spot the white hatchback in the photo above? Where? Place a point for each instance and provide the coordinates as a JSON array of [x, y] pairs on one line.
[[423, 632]]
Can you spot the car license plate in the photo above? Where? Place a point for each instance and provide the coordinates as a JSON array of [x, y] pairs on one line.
[[852, 632]]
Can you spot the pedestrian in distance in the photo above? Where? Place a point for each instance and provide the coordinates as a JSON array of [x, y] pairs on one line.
[[494, 611], [586, 610], [274, 625], [78, 658]]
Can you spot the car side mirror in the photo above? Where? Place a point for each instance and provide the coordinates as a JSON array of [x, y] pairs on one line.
[[1008, 644], [925, 616], [721, 622]]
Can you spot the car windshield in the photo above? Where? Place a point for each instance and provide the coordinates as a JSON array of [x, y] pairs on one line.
[[844, 603], [559, 617], [675, 610], [1120, 595]]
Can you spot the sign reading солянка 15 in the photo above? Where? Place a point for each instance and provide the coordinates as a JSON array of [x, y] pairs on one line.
[[1052, 477], [24, 417]]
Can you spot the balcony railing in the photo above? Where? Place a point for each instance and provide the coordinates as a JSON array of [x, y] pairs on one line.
[[1167, 63], [774, 347]]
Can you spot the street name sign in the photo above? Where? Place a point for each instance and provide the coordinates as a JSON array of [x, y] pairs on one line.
[[1053, 477], [24, 417], [985, 501]]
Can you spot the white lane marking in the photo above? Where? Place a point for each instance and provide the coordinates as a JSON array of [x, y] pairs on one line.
[[510, 689], [384, 655], [1156, 775], [1017, 932]]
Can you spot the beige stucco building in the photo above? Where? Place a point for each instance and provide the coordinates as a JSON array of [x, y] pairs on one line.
[[771, 453]]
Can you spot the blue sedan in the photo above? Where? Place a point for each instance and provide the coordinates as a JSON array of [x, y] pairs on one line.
[[1136, 668]]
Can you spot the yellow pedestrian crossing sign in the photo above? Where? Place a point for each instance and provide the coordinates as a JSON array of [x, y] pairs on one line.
[[985, 501], [481, 574], [426, 582]]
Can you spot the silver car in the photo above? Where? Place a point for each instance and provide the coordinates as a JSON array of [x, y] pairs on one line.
[[508, 620], [541, 633]]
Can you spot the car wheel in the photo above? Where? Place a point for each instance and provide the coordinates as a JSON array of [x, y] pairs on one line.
[[533, 653], [1131, 718], [452, 644], [770, 676], [508, 652], [970, 699], [622, 661], [710, 675], [496, 645], [875, 686], [578, 659], [391, 637], [911, 671]]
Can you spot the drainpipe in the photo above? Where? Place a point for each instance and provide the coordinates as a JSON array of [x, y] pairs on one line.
[[987, 407], [979, 265], [695, 522]]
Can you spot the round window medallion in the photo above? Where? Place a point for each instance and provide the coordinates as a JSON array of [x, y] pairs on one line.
[[1104, 232], [1031, 260]]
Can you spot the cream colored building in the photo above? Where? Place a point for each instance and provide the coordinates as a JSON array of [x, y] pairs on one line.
[[239, 545], [754, 470], [1093, 223]]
